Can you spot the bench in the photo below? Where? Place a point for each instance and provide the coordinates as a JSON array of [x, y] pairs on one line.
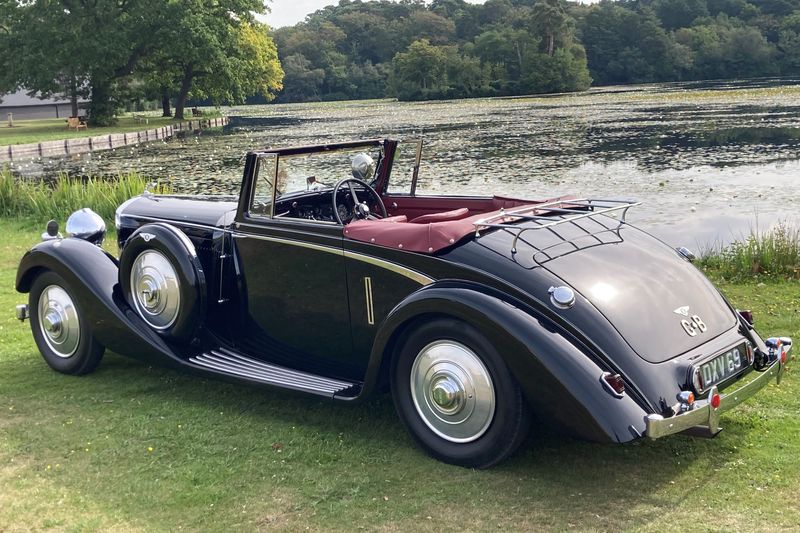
[[196, 112], [76, 123], [141, 118]]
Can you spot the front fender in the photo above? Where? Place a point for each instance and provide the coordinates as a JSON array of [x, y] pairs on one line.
[[92, 274], [560, 379]]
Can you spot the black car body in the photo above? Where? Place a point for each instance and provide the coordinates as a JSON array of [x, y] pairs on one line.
[[474, 311]]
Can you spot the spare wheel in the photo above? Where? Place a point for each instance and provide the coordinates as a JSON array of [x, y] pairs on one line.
[[162, 279]]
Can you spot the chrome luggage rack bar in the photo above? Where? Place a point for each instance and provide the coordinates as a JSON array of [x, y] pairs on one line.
[[579, 208]]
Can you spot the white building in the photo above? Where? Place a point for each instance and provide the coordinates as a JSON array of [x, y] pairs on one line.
[[25, 107]]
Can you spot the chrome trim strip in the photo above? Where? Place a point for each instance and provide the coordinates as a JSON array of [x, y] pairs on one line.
[[419, 277], [370, 310], [180, 222], [704, 414], [292, 242]]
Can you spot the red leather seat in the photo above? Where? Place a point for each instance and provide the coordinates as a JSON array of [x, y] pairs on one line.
[[395, 219], [455, 214]]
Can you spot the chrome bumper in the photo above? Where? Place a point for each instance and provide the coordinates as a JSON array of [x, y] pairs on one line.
[[705, 415]]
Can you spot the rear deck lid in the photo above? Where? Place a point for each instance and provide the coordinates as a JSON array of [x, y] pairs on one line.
[[659, 302]]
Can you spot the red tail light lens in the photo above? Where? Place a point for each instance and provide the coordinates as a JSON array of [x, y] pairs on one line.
[[615, 382], [715, 401], [783, 356]]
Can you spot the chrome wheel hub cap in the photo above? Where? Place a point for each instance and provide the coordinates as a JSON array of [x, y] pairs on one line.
[[155, 289], [452, 391], [58, 320]]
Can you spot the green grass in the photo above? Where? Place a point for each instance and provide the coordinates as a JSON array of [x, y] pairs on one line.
[[35, 131], [39, 200], [771, 254], [139, 447]]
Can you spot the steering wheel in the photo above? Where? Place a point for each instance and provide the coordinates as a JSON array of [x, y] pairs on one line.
[[360, 210]]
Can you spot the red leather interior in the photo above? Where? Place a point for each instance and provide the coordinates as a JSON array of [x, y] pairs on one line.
[[426, 238], [455, 214]]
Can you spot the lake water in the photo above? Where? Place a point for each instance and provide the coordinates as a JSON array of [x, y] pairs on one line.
[[707, 160]]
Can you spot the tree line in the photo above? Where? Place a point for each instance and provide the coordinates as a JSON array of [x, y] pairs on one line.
[[115, 51], [450, 48]]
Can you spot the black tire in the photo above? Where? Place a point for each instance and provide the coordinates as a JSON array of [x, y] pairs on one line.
[[510, 420], [182, 322], [87, 352]]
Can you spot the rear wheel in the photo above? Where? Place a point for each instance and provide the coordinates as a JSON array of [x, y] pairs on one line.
[[456, 396], [62, 333]]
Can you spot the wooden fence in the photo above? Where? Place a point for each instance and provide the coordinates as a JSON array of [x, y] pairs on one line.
[[82, 145]]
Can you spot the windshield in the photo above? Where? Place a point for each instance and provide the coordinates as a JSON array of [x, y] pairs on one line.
[[320, 170]]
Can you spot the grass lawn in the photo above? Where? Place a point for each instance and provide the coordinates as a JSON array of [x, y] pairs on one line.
[[34, 131], [137, 447]]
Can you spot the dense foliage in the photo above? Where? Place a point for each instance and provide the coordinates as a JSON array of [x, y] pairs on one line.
[[450, 48], [116, 50]]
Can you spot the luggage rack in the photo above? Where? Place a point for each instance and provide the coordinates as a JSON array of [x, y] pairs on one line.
[[575, 209]]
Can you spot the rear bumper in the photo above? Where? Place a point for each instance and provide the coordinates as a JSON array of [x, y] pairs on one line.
[[705, 415]]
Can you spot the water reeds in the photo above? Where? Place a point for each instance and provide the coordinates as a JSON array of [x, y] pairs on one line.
[[772, 254], [40, 200]]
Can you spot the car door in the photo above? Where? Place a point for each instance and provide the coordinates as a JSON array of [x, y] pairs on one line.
[[295, 285]]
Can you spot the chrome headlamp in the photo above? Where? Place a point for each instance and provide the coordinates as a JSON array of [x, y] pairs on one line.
[[87, 225]]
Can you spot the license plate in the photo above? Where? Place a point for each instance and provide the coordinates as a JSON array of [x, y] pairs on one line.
[[723, 366]]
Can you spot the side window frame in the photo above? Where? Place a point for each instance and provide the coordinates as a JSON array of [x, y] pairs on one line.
[[273, 161], [412, 190]]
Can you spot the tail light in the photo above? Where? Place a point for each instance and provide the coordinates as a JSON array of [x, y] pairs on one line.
[[615, 383], [686, 400], [747, 314], [715, 400]]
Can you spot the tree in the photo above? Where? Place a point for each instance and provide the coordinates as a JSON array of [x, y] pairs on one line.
[[421, 65], [550, 20], [301, 81], [212, 49], [626, 46], [789, 44], [48, 71], [244, 62], [675, 14]]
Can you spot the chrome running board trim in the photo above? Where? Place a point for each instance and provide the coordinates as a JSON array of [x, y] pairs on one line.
[[226, 361]]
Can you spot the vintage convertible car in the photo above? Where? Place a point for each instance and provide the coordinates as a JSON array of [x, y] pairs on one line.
[[475, 312]]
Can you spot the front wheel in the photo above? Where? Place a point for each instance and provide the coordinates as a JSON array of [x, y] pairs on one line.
[[62, 333], [456, 396]]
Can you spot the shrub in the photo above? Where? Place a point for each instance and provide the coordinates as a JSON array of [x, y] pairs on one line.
[[774, 254], [20, 197]]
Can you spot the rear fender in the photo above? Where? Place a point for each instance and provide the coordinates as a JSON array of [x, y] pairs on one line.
[[559, 379], [92, 273]]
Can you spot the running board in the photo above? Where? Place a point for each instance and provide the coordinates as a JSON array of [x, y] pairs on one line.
[[225, 361]]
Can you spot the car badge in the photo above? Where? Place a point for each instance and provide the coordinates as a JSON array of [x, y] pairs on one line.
[[148, 236], [683, 311]]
